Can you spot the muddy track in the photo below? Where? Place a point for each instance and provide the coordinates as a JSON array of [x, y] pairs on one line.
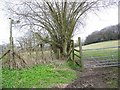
[[94, 78]]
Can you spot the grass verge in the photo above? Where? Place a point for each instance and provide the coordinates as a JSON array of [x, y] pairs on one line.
[[40, 76]]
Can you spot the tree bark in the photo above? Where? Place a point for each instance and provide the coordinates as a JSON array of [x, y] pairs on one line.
[[64, 50]]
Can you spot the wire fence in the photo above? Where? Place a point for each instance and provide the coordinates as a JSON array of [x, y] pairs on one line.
[[32, 56]]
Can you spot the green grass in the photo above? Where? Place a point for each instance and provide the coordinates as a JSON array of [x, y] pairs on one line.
[[107, 53], [40, 76], [110, 53], [113, 82], [49, 75], [104, 44]]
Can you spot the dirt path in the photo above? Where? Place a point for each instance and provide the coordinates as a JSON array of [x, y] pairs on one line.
[[94, 77]]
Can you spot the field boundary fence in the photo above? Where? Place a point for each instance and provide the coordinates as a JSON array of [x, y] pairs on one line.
[[40, 54], [76, 57], [101, 57]]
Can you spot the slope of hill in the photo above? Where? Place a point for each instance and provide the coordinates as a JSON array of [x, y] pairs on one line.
[[112, 43], [105, 34]]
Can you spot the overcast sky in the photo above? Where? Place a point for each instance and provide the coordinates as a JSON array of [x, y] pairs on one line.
[[105, 18]]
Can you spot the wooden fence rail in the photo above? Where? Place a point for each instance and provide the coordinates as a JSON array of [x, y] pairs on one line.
[[78, 54]]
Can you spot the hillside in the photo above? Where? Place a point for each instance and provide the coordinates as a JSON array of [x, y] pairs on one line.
[[105, 34], [113, 43]]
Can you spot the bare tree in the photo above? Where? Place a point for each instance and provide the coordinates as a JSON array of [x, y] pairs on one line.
[[55, 21]]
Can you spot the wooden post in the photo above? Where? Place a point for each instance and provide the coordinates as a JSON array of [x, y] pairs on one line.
[[41, 45], [29, 50], [36, 52], [80, 49], [2, 50], [73, 51], [11, 45], [51, 51], [1, 75], [58, 50]]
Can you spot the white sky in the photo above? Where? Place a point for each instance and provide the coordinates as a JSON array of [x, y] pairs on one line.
[[106, 18], [97, 22]]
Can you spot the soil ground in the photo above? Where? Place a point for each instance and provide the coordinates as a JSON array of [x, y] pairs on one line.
[[106, 77], [95, 78]]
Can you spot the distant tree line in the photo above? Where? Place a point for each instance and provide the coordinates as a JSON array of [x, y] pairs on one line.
[[106, 34]]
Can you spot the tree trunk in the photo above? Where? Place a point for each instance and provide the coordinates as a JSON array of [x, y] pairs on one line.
[[63, 51], [55, 50]]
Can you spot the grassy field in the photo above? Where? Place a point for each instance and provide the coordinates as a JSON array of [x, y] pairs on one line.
[[103, 54], [40, 76], [105, 44]]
